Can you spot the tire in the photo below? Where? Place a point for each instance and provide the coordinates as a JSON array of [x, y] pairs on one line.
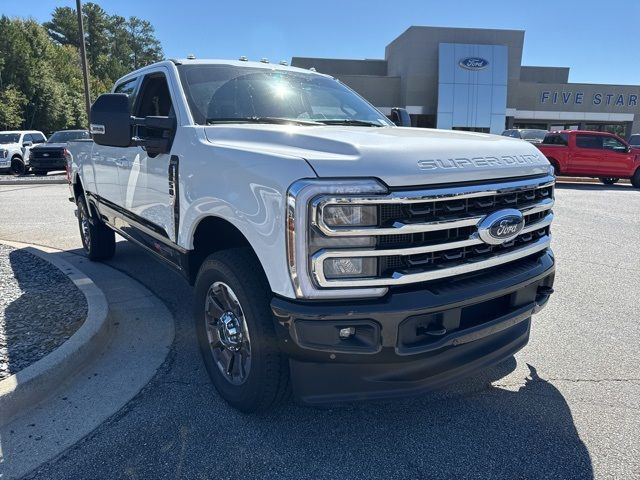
[[609, 180], [98, 240], [635, 180], [259, 376], [17, 166]]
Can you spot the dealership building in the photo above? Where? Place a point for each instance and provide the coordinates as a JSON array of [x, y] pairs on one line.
[[473, 79]]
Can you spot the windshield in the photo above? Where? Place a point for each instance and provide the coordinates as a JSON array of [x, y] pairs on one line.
[[64, 137], [229, 94], [533, 134], [9, 138]]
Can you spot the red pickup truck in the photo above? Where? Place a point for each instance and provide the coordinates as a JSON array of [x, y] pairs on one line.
[[592, 154]]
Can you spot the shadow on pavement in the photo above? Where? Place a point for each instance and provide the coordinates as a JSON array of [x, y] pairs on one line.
[[593, 186], [470, 430]]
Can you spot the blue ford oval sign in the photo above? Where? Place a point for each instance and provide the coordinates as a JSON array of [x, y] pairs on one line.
[[501, 226], [474, 63]]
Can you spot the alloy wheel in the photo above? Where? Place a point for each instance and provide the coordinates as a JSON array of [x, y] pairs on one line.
[[227, 333]]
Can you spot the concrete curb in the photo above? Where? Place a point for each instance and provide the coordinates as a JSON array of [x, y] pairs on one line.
[[623, 181], [34, 181], [31, 385]]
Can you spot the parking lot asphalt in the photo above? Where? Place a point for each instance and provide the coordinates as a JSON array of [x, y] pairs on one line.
[[565, 407]]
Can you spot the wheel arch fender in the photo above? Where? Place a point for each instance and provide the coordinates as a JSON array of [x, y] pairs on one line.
[[212, 234]]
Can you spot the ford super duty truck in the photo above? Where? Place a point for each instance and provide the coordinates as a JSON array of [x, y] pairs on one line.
[[333, 253]]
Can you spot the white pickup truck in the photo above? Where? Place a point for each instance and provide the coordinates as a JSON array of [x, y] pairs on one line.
[[333, 253]]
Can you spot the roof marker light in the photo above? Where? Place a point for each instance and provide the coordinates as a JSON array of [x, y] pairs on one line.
[[243, 59], [284, 62], [191, 56], [264, 60], [313, 69]]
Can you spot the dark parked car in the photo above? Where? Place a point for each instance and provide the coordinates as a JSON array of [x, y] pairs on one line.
[[634, 140], [52, 154], [531, 135]]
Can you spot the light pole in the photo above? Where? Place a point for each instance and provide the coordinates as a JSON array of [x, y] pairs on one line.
[[83, 58]]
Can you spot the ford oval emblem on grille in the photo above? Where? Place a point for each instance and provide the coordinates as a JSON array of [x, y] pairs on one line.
[[474, 63], [501, 226]]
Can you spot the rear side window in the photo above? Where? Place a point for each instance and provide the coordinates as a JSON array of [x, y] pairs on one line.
[[556, 139], [589, 141]]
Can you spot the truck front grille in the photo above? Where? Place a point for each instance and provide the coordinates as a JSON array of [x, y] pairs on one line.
[[424, 235]]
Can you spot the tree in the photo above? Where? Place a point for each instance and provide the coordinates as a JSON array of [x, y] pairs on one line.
[[11, 113], [145, 48]]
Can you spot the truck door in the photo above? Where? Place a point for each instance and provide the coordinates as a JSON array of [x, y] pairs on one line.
[[105, 160], [588, 154], [144, 179], [618, 161]]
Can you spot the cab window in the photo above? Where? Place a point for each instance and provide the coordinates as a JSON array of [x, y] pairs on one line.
[[154, 100], [612, 143], [38, 138], [128, 88], [589, 141]]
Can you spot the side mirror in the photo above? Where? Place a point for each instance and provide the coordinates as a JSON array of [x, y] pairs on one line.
[[111, 120], [400, 117], [28, 143]]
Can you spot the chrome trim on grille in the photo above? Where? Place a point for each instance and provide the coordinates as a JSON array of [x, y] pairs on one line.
[[400, 228], [403, 279], [474, 239], [431, 195]]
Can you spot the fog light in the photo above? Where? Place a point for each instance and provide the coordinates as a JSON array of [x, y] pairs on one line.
[[350, 267], [350, 215], [348, 332]]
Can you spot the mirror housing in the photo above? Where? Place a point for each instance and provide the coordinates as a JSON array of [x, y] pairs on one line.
[[400, 117], [28, 143], [111, 121]]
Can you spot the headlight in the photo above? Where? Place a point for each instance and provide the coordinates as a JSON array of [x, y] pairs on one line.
[[350, 215], [308, 218]]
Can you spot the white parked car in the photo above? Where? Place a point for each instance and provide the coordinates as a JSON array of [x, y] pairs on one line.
[[15, 147], [332, 252]]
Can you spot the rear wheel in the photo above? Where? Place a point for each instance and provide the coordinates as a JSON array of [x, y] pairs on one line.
[[235, 331], [17, 166], [98, 240], [609, 180]]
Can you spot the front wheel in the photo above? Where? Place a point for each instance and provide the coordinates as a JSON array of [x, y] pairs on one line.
[[235, 331], [98, 240], [17, 166], [635, 180], [609, 180]]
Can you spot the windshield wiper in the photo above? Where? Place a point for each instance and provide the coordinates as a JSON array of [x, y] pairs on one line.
[[349, 121], [273, 120]]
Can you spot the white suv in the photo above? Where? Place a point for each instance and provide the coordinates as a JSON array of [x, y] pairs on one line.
[[15, 147]]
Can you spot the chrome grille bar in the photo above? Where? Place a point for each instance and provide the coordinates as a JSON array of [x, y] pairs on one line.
[[424, 196], [399, 278]]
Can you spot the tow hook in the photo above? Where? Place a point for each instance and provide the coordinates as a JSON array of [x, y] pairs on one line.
[[542, 297]]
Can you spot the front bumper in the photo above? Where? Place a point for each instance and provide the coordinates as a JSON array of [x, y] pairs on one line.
[[48, 163], [412, 340]]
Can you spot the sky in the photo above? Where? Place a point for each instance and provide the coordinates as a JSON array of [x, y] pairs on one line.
[[598, 40]]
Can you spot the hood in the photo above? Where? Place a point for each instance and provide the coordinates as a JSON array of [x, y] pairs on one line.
[[49, 145], [397, 156]]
